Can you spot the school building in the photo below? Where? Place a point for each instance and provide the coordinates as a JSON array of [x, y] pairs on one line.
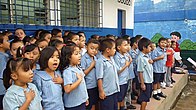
[[100, 17]]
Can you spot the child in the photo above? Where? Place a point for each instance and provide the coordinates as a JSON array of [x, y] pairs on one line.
[[14, 45], [72, 37], [123, 63], [82, 45], [75, 95], [22, 94], [56, 33], [159, 61], [57, 43], [20, 33], [106, 73], [145, 72], [45, 35], [4, 46], [41, 43], [88, 64], [48, 80], [31, 52], [169, 63]]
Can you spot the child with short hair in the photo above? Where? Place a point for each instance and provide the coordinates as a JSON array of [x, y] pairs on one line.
[[106, 73], [48, 80], [4, 46], [72, 37], [145, 72], [41, 43], [159, 58], [45, 35], [82, 45], [123, 63], [21, 93], [20, 33], [56, 33], [14, 45], [75, 95], [57, 43], [88, 64]]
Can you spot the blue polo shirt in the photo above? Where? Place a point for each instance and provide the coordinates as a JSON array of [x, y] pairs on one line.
[[130, 68], [106, 70], [120, 62], [145, 67], [78, 95], [50, 92], [90, 79], [159, 66], [3, 61], [15, 98]]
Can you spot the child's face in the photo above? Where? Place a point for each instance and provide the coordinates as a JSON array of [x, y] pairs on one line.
[[59, 34], [147, 50], [33, 55], [14, 48], [20, 34], [22, 77], [123, 47], [43, 45], [5, 45], [92, 49], [48, 37], [173, 45], [54, 61], [135, 45], [153, 46], [82, 42], [169, 43], [75, 57], [162, 44], [112, 51], [75, 39]]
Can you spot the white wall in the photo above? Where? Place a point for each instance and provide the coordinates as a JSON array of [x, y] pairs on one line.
[[110, 14]]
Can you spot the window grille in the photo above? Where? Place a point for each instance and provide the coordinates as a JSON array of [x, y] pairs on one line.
[[77, 13]]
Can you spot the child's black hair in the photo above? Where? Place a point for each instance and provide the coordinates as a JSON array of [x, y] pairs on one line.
[[12, 66], [15, 41], [55, 31], [132, 41], [55, 42], [94, 41], [176, 33], [143, 43], [46, 54], [27, 39], [119, 41], [20, 29], [28, 48], [43, 34], [162, 39], [66, 53], [106, 43], [37, 33], [2, 37], [138, 37]]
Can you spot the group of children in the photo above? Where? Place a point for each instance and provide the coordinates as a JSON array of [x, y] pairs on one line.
[[53, 71]]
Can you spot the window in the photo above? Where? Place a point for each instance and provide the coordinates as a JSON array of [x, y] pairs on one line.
[[78, 13]]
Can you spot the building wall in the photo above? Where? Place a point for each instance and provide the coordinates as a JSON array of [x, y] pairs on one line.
[[110, 23], [165, 16]]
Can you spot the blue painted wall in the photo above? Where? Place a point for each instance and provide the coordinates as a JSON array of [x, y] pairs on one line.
[[165, 16]]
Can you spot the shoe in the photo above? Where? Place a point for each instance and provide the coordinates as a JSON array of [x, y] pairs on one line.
[[155, 96], [162, 95], [172, 80], [163, 85], [131, 107]]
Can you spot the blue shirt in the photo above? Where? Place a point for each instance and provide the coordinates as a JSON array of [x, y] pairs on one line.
[[78, 95], [15, 98], [145, 67], [120, 61], [134, 54], [106, 70], [90, 79], [50, 92], [159, 65], [131, 71], [3, 61]]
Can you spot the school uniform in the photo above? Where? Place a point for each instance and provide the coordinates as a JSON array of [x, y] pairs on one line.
[[3, 61], [159, 67], [75, 99], [146, 69], [90, 79], [50, 92], [15, 98], [106, 70], [123, 77]]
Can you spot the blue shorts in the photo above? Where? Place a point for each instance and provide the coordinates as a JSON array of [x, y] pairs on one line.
[[158, 77], [122, 93], [1, 101], [109, 103], [79, 107], [145, 95], [93, 97]]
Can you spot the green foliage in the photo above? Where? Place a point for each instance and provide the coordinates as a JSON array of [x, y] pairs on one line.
[[156, 38], [187, 44]]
